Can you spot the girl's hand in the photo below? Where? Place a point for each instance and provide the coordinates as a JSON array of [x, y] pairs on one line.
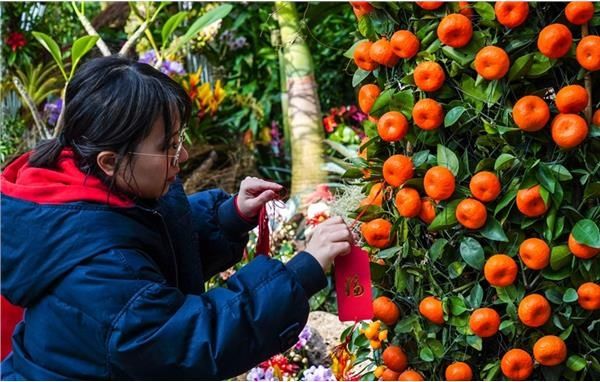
[[253, 195], [330, 239]]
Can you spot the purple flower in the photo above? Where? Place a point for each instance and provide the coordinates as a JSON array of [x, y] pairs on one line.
[[168, 67], [238, 43], [318, 373], [303, 338], [52, 111], [255, 374], [359, 116], [276, 142]]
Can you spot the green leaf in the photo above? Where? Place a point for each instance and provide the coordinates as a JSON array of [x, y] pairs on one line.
[[541, 64], [446, 218], [559, 257], [472, 252], [80, 47], [546, 178], [447, 158], [456, 269], [426, 354], [560, 172], [453, 115], [570, 295], [586, 232], [51, 46], [550, 274], [205, 20], [476, 296], [475, 342], [388, 252], [380, 106], [520, 67], [493, 230], [366, 28], [457, 306], [437, 249], [353, 173], [504, 161], [576, 363], [359, 76], [400, 279], [171, 25], [404, 102], [485, 10]]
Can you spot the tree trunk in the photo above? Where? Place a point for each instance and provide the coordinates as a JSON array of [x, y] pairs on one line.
[[303, 107]]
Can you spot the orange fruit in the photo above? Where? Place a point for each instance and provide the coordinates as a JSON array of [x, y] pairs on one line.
[[385, 310], [596, 118], [392, 126], [378, 372], [511, 14], [581, 250], [375, 344], [439, 183], [427, 213], [375, 197], [381, 52], [534, 253], [361, 8], [397, 169], [589, 296], [568, 130], [429, 76], [431, 308], [410, 375], [516, 365], [459, 371], [405, 44], [550, 351], [362, 57], [579, 12], [390, 375], [455, 30], [485, 186], [531, 113], [554, 41], [428, 114], [571, 99], [366, 97], [588, 53], [471, 213], [484, 322], [530, 202], [500, 270], [394, 358], [465, 9], [492, 63], [534, 310], [377, 232], [430, 5], [408, 202]]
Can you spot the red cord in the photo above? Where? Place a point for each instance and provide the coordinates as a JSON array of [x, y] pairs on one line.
[[262, 243]]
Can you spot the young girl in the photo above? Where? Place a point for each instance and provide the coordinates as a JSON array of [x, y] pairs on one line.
[[109, 257]]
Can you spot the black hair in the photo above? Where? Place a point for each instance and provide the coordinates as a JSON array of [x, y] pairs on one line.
[[111, 104]]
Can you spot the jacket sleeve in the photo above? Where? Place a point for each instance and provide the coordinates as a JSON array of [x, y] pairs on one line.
[[221, 231], [163, 334]]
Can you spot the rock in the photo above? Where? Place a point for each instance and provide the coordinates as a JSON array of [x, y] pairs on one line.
[[326, 329]]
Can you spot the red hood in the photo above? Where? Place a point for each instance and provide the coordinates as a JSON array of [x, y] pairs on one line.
[[63, 184]]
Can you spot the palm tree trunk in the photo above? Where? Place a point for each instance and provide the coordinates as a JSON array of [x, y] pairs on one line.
[[303, 107]]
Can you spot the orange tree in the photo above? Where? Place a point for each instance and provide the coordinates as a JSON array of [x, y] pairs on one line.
[[482, 174]]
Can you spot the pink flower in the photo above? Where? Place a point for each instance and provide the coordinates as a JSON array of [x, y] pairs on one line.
[[329, 123]]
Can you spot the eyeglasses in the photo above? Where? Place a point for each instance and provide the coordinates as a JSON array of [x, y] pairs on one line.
[[175, 157]]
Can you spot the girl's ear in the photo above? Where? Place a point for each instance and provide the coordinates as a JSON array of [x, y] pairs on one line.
[[107, 160]]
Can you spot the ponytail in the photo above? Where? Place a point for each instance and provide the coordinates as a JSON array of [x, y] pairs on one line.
[[46, 152]]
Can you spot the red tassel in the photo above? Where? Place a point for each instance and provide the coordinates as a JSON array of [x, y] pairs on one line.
[[262, 243]]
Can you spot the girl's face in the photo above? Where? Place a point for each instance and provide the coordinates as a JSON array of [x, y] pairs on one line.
[[149, 170]]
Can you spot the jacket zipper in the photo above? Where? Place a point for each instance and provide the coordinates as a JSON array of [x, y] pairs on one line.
[[166, 229]]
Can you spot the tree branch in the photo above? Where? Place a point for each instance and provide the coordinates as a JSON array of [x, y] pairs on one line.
[[134, 37], [92, 32], [37, 118]]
